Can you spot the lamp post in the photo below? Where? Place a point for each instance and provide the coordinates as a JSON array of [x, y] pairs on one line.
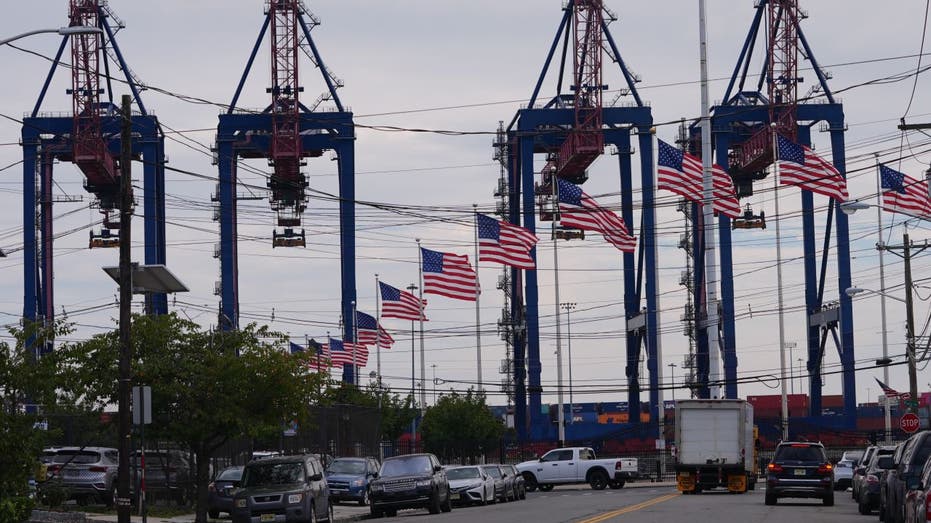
[[64, 31], [568, 306]]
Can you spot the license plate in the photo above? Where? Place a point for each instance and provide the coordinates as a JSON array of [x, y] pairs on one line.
[[267, 517], [454, 495], [800, 472]]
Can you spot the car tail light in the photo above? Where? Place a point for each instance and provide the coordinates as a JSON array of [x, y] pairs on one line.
[[618, 465], [54, 469], [774, 467], [825, 469], [872, 479], [97, 469]]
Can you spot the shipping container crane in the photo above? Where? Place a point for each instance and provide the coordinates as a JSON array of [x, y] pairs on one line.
[[742, 127], [285, 133], [90, 139], [571, 130]]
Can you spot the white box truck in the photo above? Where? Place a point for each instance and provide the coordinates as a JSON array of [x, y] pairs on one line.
[[715, 445]]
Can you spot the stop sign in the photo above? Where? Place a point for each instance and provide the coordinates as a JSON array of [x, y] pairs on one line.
[[909, 422]]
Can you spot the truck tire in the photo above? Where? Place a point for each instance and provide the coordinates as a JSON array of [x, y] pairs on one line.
[[598, 479], [530, 482], [616, 484]]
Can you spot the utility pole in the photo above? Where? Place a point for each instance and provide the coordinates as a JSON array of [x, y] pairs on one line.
[[906, 256], [123, 506]]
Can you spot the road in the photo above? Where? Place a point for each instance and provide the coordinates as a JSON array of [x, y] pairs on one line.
[[646, 504]]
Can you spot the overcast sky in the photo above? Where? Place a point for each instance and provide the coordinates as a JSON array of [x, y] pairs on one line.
[[465, 66]]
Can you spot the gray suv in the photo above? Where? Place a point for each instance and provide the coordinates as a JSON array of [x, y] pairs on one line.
[[283, 489], [84, 472]]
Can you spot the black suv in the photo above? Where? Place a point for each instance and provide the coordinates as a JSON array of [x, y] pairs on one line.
[[283, 488], [800, 470], [412, 481], [905, 475]]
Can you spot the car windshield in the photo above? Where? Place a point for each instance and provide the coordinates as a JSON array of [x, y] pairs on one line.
[[231, 474], [799, 453], [406, 466], [346, 466], [844, 464], [76, 458], [463, 473], [258, 474], [493, 472]]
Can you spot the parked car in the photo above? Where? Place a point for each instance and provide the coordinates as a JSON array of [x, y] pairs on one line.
[[908, 462], [868, 483], [349, 479], [520, 486], [843, 474], [220, 491], [410, 481], [577, 465], [855, 456], [470, 485], [859, 471], [167, 473], [800, 470], [283, 488], [501, 485], [918, 500], [84, 472]]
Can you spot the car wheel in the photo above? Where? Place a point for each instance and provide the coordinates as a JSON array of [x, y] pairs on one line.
[[546, 487], [771, 499], [616, 484], [598, 480], [530, 482], [523, 492], [863, 506], [365, 498], [330, 518], [448, 505], [434, 506], [213, 514], [391, 512], [828, 499], [375, 512], [882, 510]]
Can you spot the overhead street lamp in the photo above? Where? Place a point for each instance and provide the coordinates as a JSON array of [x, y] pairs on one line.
[[65, 31]]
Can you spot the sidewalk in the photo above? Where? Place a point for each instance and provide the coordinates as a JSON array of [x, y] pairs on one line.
[[340, 513]]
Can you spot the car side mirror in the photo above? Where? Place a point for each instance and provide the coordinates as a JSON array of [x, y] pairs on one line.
[[316, 477], [437, 468], [374, 475]]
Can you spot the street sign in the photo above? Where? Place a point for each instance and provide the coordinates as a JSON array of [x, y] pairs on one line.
[[909, 423], [911, 403]]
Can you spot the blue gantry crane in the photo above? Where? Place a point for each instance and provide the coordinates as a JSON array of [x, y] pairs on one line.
[[742, 127], [90, 139], [571, 130], [286, 132]]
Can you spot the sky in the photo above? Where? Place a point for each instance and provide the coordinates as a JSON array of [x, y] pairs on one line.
[[464, 66]]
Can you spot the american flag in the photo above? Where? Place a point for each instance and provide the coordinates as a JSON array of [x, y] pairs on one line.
[[505, 243], [295, 348], [579, 211], [800, 166], [341, 352], [682, 173], [889, 391], [448, 275], [403, 305], [365, 325], [321, 358], [904, 194]]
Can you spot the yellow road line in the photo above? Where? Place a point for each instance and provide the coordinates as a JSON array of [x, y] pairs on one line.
[[632, 508]]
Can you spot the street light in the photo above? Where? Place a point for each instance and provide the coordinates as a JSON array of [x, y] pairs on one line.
[[64, 31], [672, 378]]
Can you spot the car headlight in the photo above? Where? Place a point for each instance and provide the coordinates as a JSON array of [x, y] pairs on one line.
[[241, 503], [295, 498], [424, 483], [474, 485], [357, 483]]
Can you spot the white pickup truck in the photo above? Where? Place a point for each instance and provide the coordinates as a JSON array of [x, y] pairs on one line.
[[577, 465]]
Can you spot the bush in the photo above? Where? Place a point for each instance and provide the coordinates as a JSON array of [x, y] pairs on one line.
[[16, 509]]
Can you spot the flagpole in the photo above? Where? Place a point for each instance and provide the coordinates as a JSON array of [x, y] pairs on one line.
[[660, 394], [560, 415], [478, 310], [355, 338], [378, 337], [412, 288], [887, 435], [782, 334], [423, 364], [708, 233]]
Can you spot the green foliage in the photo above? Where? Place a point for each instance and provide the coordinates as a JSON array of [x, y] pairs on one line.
[[24, 381], [396, 412], [16, 509], [460, 425]]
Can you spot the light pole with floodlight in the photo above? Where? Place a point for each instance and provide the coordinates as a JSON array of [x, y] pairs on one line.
[[64, 31]]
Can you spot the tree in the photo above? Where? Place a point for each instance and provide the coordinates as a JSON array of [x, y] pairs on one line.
[[207, 386], [29, 389], [396, 412], [460, 425]]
